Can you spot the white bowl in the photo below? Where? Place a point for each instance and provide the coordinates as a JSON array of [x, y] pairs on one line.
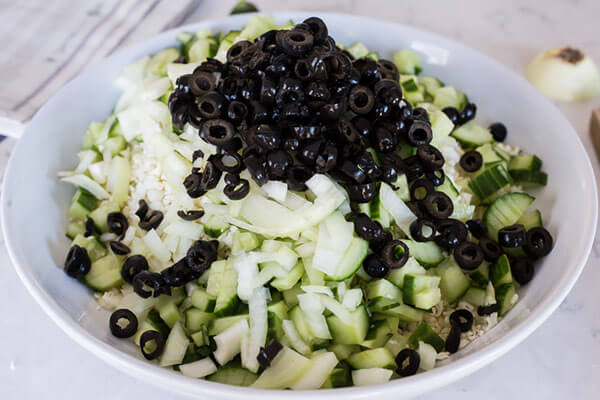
[[34, 202]]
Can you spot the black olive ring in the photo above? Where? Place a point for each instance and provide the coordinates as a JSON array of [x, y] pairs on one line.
[[463, 319], [129, 330], [468, 255], [413, 358], [389, 254], [157, 338]]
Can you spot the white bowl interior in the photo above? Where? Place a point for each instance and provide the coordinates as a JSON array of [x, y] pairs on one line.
[[34, 202]]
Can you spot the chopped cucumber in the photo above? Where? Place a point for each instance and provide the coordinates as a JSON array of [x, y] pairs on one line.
[[529, 178], [500, 272], [424, 333], [351, 261], [531, 220], [351, 331], [105, 273], [286, 369], [100, 215], [506, 297], [374, 358], [428, 254], [475, 296], [525, 163], [383, 288], [378, 335], [471, 134], [408, 62], [233, 374], [490, 181], [453, 283], [448, 96], [175, 347], [505, 211], [481, 275]]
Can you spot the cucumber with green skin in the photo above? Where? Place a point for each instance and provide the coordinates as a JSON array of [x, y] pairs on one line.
[[475, 296], [500, 272], [505, 297], [374, 358], [506, 210], [530, 220], [525, 163], [424, 333], [490, 181], [453, 283], [472, 134]]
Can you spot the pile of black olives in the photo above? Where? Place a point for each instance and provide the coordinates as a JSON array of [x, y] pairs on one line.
[[292, 104]]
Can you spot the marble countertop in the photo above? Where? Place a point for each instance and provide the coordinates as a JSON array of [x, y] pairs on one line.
[[560, 360]]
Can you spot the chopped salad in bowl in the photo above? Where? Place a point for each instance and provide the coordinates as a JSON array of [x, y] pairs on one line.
[[268, 208]]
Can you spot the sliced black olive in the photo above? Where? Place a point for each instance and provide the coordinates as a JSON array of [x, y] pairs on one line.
[[236, 50], [195, 155], [151, 221], [228, 162], [453, 340], [297, 177], [468, 113], [217, 131], [201, 82], [477, 228], [366, 228], [389, 69], [159, 344], [119, 248], [296, 43], [463, 319], [117, 223], [437, 177], [538, 243], [154, 281], [237, 111], [362, 193], [190, 215], [452, 113], [512, 236], [318, 29], [412, 168], [237, 191], [471, 161], [419, 113], [256, 169], [395, 254], [130, 328], [210, 175], [211, 105], [419, 133], [422, 230], [374, 267], [491, 249], [407, 362], [451, 233], [78, 263], [498, 131], [431, 158], [383, 140], [522, 270], [193, 185], [142, 209], [420, 189], [468, 255], [132, 266], [362, 125], [361, 100], [438, 205], [90, 227], [488, 310], [179, 274], [201, 255], [267, 137], [347, 130], [268, 353], [327, 158]]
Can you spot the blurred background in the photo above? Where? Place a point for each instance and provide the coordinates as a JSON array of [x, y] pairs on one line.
[[46, 43]]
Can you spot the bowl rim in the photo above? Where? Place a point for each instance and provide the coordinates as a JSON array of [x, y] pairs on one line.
[[176, 382]]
